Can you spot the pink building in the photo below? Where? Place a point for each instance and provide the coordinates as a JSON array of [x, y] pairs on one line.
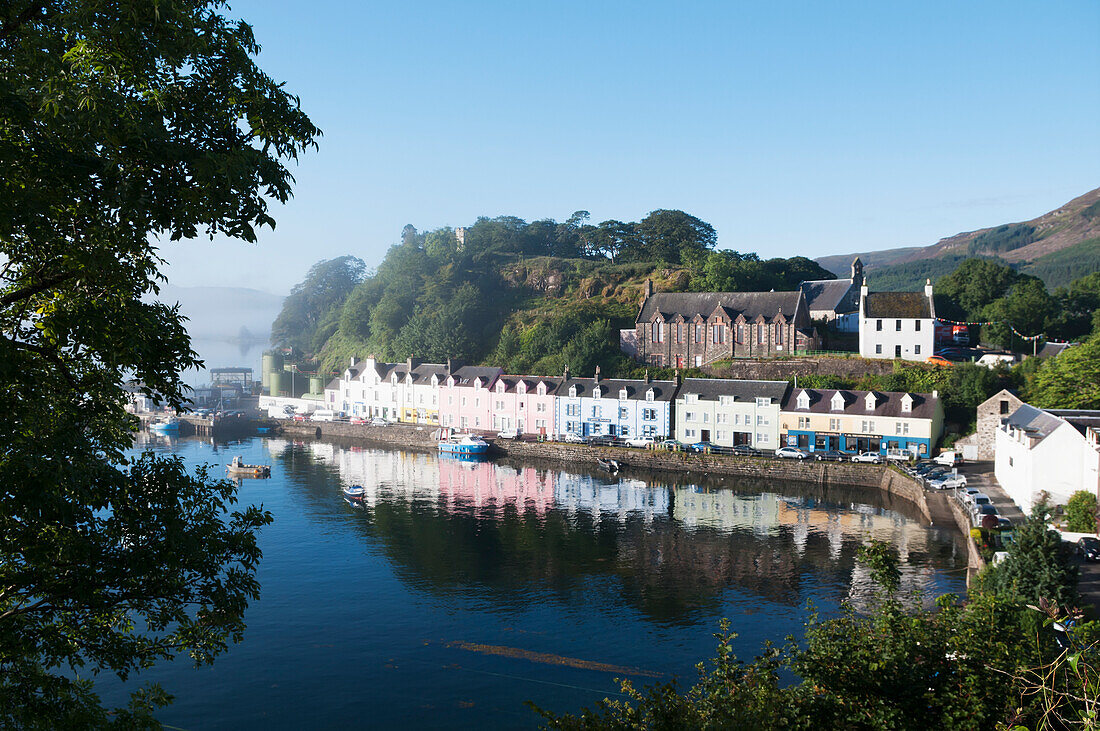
[[464, 398], [524, 405], [483, 486]]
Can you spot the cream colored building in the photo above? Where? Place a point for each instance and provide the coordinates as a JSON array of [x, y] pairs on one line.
[[729, 412]]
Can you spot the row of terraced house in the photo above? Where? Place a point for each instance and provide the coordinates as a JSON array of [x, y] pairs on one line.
[[724, 412]]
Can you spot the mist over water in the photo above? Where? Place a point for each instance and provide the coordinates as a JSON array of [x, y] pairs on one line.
[[460, 590]]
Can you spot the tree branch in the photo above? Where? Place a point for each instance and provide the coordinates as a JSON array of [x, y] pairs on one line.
[[33, 289], [48, 355]]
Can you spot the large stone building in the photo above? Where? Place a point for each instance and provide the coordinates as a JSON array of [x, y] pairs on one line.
[[691, 329], [991, 413], [835, 300], [897, 324]]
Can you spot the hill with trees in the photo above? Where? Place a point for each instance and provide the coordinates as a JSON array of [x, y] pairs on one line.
[[1057, 247], [531, 297]]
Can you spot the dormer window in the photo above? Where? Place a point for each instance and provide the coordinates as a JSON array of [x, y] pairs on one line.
[[906, 404], [393, 380], [803, 400], [869, 402], [692, 398], [763, 401], [435, 381], [622, 394], [542, 389], [572, 392], [597, 392], [477, 384], [837, 403], [649, 395], [500, 387], [521, 387]]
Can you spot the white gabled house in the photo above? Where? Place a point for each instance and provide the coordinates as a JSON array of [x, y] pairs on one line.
[[897, 324]]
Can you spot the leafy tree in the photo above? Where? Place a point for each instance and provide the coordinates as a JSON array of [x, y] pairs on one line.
[[326, 286], [1071, 380], [975, 284], [1036, 567], [121, 123], [1027, 307], [666, 235], [1081, 512]]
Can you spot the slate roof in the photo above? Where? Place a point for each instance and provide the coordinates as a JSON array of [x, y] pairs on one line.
[[465, 375], [825, 294], [899, 305], [1036, 422], [334, 384], [512, 382], [423, 373], [1079, 419], [635, 389], [887, 403], [1050, 350], [749, 304], [709, 389]]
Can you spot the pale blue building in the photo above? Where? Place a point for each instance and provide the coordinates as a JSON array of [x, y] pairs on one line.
[[621, 408]]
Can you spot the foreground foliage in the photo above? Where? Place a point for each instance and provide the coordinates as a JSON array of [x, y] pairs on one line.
[[995, 661], [120, 122]]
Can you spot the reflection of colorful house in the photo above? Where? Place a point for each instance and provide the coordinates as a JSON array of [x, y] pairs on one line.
[[729, 413], [464, 398], [524, 404], [861, 421], [485, 486], [616, 500], [622, 408]]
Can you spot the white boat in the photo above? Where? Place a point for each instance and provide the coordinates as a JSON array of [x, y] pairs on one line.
[[355, 494], [165, 425]]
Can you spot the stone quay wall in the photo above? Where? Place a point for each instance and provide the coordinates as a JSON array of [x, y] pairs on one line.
[[887, 479]]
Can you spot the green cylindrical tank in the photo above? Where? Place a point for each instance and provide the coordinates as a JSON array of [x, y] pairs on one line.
[[271, 362], [316, 385], [276, 383]]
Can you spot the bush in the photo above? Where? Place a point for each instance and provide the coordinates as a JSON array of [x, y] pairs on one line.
[[1081, 512]]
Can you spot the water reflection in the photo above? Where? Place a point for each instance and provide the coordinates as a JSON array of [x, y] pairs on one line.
[[673, 549]]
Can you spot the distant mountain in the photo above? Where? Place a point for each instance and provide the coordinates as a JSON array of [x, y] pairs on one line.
[[1058, 247], [224, 313]]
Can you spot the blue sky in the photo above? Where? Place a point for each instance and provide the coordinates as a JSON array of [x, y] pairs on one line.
[[793, 127]]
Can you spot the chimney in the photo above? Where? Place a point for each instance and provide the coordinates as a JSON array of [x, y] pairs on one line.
[[409, 363], [677, 378], [597, 379], [928, 288], [353, 361], [647, 375], [863, 289], [448, 366], [648, 287], [565, 374]]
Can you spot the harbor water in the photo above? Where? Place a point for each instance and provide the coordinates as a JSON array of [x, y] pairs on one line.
[[458, 591]]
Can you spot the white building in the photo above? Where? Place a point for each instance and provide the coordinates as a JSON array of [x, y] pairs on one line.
[[610, 407], [897, 324], [1052, 451], [730, 412]]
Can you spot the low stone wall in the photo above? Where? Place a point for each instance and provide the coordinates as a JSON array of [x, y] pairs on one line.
[[964, 524], [786, 369]]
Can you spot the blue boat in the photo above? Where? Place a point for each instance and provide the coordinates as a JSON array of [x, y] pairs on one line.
[[171, 425], [462, 444]]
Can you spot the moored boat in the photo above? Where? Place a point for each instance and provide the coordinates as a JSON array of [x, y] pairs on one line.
[[237, 468], [355, 494], [166, 425], [611, 465], [462, 444]]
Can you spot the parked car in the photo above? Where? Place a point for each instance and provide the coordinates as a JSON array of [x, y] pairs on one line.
[[982, 511], [791, 453], [978, 500], [872, 457], [358, 420], [509, 434], [379, 421], [947, 458], [744, 450], [949, 482], [1088, 548], [669, 444], [299, 417], [641, 441], [828, 455], [572, 438], [939, 360], [603, 440]]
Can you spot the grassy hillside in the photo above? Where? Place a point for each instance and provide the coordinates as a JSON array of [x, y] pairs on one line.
[[1058, 247]]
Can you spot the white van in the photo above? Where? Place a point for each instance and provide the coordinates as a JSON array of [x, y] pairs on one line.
[[323, 415]]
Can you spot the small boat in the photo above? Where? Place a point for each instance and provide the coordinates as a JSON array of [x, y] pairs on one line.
[[237, 468], [166, 425], [611, 465], [355, 494], [462, 444]]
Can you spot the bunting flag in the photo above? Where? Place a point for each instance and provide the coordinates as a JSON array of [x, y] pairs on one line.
[[1016, 332]]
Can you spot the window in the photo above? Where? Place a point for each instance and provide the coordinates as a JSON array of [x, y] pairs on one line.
[[762, 402], [763, 420], [1010, 461], [649, 414], [596, 412], [720, 436], [878, 349], [803, 400], [689, 433], [499, 406], [1004, 406], [706, 417], [649, 395], [718, 333], [878, 325], [778, 334], [740, 333], [698, 333], [916, 350], [623, 412], [679, 336], [689, 416], [834, 424], [897, 325], [622, 394], [540, 407], [759, 335], [916, 325], [624, 431], [803, 422], [762, 438]]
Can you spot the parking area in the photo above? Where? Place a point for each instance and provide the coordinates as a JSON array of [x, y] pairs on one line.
[[980, 475]]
